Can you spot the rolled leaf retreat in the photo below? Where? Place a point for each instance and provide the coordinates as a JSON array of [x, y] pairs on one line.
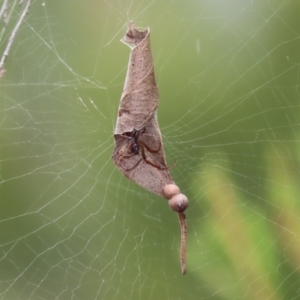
[[139, 152]]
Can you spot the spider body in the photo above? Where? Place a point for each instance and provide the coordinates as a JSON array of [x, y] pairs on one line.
[[134, 143]]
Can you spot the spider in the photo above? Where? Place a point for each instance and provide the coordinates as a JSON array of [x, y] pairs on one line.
[[136, 146]]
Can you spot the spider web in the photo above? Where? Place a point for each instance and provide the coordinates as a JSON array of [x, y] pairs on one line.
[[72, 227]]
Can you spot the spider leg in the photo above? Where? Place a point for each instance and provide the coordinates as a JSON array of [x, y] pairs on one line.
[[121, 155], [125, 149], [148, 148], [126, 137], [133, 167], [149, 162], [156, 166]]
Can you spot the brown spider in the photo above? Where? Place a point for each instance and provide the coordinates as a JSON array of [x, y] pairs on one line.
[[135, 146]]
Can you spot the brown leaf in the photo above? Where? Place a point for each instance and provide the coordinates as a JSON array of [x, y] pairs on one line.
[[139, 99]]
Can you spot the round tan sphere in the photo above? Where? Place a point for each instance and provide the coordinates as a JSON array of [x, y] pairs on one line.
[[179, 203], [170, 190]]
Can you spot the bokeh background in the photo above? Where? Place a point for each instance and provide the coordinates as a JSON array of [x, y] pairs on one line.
[[72, 227]]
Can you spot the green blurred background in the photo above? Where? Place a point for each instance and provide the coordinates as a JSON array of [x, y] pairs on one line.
[[71, 227]]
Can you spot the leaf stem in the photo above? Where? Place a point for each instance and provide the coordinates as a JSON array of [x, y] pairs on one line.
[[183, 228]]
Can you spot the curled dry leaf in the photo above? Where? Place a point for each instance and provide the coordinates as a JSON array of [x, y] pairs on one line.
[[139, 99], [139, 152]]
